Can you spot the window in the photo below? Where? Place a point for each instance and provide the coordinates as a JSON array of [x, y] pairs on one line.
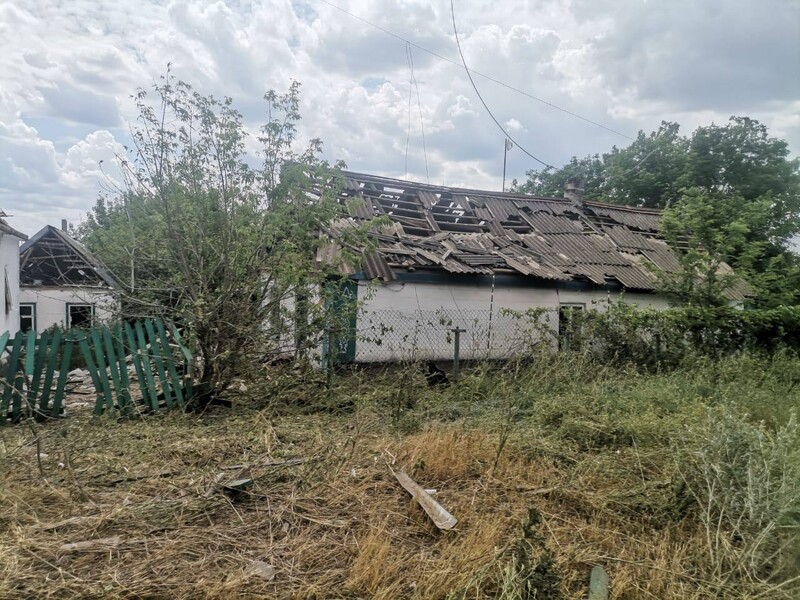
[[80, 315], [27, 317]]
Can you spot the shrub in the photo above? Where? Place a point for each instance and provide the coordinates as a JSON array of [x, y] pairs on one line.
[[745, 483]]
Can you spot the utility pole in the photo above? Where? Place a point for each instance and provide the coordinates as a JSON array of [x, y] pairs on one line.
[[508, 146]]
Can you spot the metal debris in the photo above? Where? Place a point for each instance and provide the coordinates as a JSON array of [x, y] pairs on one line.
[[598, 584], [259, 568]]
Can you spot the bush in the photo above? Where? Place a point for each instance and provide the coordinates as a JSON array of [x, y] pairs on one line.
[[745, 482], [652, 338]]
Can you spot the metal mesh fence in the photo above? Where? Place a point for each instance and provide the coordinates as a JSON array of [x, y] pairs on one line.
[[399, 336]]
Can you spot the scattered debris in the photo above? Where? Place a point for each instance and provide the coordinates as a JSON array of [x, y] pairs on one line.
[[65, 523], [441, 518], [598, 584], [98, 545], [259, 568], [140, 476], [291, 462], [237, 486]]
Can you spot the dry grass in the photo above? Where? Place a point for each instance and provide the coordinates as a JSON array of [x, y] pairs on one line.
[[335, 526]]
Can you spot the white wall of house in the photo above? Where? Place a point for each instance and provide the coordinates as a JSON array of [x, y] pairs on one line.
[[51, 304], [9, 263], [412, 321]]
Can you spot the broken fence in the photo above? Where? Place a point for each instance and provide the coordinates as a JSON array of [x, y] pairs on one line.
[[34, 372]]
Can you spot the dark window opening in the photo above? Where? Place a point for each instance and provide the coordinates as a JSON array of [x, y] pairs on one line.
[[27, 317], [80, 315]]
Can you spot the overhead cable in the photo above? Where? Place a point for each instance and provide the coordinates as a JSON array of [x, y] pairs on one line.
[[474, 87], [478, 73]]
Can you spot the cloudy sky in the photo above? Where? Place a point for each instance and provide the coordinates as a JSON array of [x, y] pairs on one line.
[[68, 68]]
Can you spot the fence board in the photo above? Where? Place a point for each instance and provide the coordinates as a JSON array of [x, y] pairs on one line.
[[52, 358], [170, 360], [11, 373], [162, 375], [27, 380], [58, 399], [147, 365]]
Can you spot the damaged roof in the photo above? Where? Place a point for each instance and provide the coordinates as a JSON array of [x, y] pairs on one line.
[[482, 232], [54, 259]]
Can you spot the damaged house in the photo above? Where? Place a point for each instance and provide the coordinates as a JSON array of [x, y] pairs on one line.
[[10, 239], [461, 258], [62, 283]]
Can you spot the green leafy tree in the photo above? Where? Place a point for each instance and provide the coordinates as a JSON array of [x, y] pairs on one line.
[[207, 239], [744, 185], [710, 231]]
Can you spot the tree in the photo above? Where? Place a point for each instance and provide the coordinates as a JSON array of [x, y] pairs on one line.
[[735, 173], [205, 238], [711, 230], [646, 173]]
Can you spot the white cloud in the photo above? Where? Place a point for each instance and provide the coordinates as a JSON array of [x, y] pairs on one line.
[[68, 70], [513, 125], [462, 107]]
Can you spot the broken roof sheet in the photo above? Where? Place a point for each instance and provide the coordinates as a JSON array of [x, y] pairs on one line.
[[52, 258], [477, 231]]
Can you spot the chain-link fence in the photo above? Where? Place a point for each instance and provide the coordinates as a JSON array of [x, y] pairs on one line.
[[400, 336]]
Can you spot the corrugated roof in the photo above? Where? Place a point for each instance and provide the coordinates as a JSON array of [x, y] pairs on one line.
[[476, 231]]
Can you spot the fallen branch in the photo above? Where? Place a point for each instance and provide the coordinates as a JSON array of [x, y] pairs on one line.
[[140, 476]]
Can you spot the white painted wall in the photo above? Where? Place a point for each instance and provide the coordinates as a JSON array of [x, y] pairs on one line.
[[51, 304], [403, 321], [9, 265]]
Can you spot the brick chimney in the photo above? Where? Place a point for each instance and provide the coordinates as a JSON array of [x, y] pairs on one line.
[[64, 225], [574, 192]]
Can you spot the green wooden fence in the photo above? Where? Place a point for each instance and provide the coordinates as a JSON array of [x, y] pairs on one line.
[[33, 376]]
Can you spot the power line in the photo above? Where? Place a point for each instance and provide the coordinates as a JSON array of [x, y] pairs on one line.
[[419, 108], [474, 87], [487, 77], [408, 130]]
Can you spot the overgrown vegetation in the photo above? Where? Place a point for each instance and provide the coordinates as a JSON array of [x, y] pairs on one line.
[[682, 484], [220, 246]]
